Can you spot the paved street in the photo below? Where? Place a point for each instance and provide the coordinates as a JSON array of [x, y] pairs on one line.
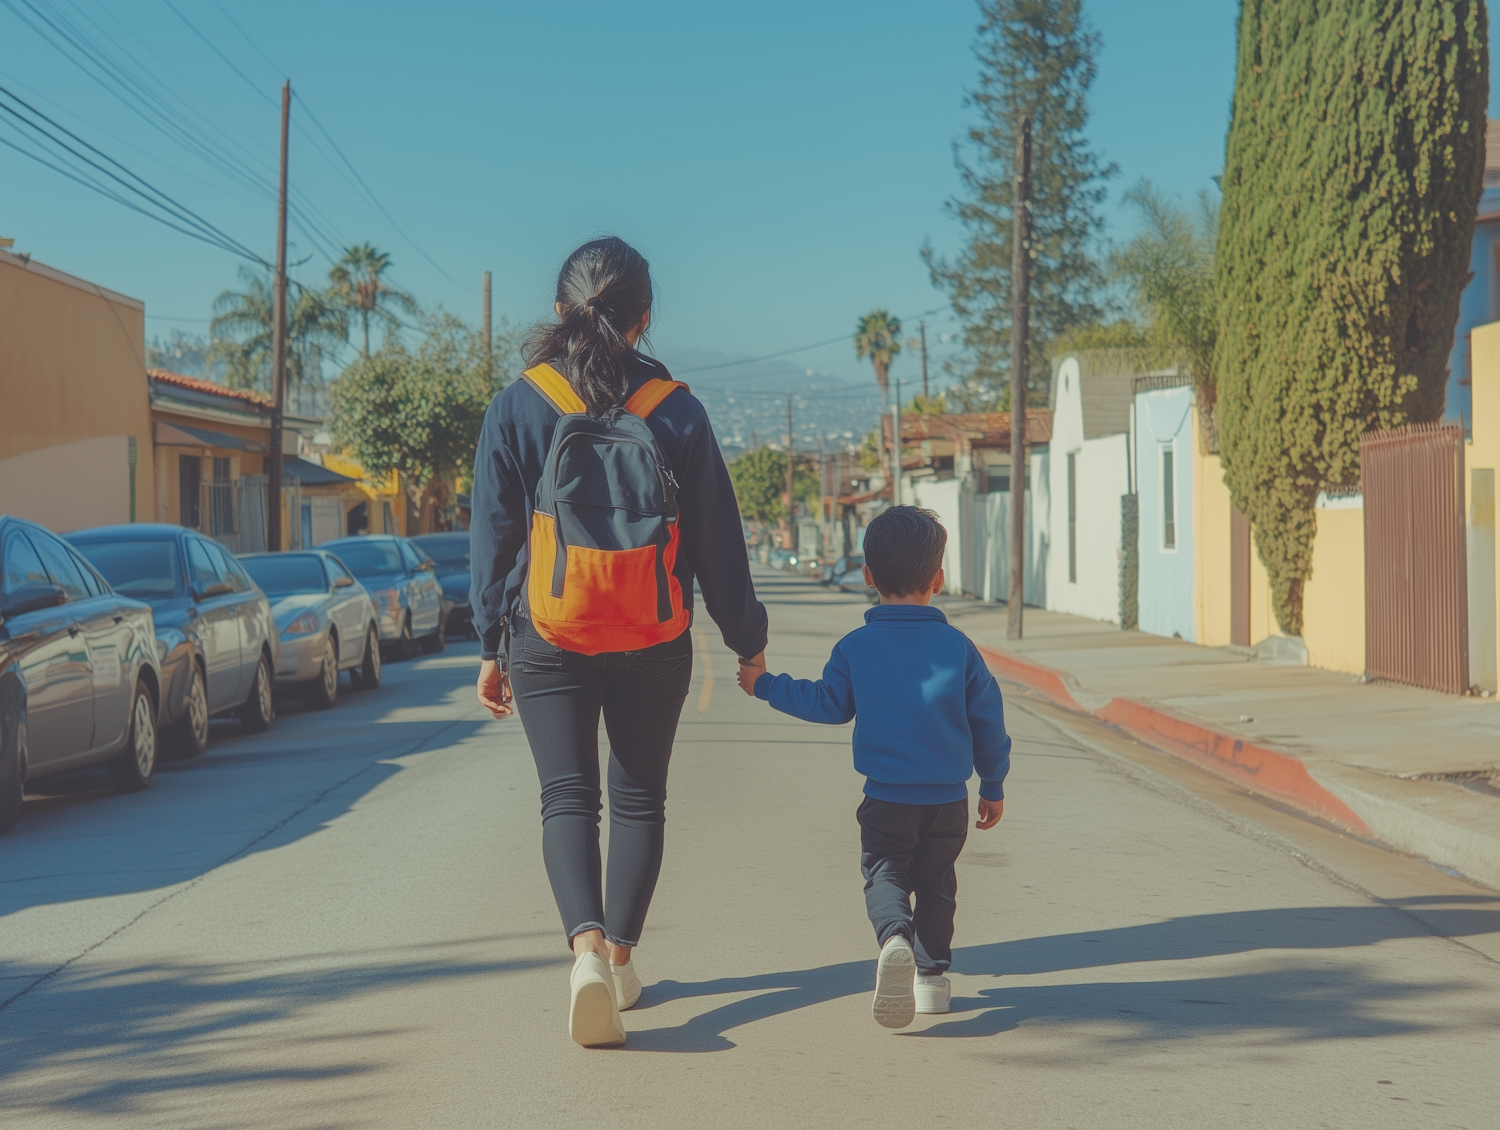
[[345, 923]]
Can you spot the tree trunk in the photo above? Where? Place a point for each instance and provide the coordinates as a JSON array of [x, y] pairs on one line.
[[882, 374], [365, 317]]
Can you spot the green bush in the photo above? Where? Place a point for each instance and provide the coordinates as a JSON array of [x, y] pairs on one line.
[[1353, 169]]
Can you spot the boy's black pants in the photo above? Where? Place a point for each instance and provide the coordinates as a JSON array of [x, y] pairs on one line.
[[906, 850]]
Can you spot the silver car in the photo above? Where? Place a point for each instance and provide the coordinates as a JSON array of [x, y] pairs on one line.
[[326, 620]]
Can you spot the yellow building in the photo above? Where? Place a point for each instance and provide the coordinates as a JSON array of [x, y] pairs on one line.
[[75, 424]]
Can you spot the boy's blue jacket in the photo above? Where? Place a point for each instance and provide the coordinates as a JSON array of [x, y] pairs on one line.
[[927, 711]]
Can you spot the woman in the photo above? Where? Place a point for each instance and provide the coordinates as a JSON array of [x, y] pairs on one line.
[[582, 371]]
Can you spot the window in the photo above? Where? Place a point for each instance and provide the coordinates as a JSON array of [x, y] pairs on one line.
[[201, 566], [91, 579], [336, 572], [409, 556], [22, 566], [60, 566], [388, 518], [287, 574], [1073, 517], [139, 569], [1168, 498]]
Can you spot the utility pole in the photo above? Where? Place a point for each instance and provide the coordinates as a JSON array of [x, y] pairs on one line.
[[896, 447], [489, 361], [1020, 324], [790, 527], [923, 327], [278, 351]]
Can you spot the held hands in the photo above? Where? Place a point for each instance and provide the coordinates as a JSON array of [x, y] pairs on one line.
[[990, 812], [750, 670], [494, 689]]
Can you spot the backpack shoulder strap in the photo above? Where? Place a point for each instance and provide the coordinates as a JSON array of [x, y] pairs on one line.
[[555, 389], [650, 395]]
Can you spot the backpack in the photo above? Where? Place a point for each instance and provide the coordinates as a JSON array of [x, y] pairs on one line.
[[604, 529]]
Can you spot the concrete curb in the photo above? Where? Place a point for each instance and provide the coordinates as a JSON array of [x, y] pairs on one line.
[[1267, 772]]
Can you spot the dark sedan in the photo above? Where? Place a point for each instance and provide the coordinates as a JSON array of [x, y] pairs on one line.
[[79, 676], [450, 554], [404, 586], [214, 631]]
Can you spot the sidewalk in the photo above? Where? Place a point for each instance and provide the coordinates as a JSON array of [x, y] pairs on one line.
[[1417, 770]]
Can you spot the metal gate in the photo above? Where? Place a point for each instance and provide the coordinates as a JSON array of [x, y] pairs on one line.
[[1416, 587]]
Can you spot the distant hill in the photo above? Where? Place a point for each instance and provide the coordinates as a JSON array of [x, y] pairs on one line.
[[747, 402]]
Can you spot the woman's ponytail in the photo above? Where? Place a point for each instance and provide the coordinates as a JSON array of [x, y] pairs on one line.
[[604, 290]]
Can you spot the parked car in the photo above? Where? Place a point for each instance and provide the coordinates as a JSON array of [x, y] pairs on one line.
[[449, 553], [836, 569], [326, 621], [214, 634], [783, 559], [404, 586], [80, 682], [853, 580]]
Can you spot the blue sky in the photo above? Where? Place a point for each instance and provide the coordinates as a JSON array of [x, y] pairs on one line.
[[781, 164]]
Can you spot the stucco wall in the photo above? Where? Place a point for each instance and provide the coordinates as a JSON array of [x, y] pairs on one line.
[[992, 520], [73, 391], [1484, 454], [1166, 590], [1101, 469], [1333, 603], [943, 497], [1213, 612]]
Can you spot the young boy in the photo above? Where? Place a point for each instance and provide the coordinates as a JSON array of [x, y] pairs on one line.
[[928, 714]]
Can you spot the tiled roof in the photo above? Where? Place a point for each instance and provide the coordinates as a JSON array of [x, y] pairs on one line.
[[981, 429], [197, 384]]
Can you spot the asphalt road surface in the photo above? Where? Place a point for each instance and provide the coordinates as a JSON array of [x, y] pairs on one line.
[[345, 923]]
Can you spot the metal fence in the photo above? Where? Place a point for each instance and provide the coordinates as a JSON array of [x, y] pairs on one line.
[[1416, 587], [234, 513]]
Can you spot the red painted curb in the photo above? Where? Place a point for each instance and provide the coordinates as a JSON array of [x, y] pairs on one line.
[[1265, 771]]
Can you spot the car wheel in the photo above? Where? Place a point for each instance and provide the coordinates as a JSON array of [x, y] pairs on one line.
[[189, 737], [12, 757], [131, 771], [323, 692], [367, 674], [438, 640], [259, 709], [405, 647]]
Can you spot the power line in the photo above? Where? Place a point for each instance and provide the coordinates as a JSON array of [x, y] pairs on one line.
[[789, 352]]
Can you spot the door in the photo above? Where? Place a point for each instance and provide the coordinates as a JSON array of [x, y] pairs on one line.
[[54, 663], [250, 606], [106, 625], [346, 610], [426, 595], [189, 489], [217, 621]]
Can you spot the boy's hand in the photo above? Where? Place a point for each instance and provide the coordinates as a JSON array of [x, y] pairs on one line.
[[494, 689], [750, 670], [990, 812]]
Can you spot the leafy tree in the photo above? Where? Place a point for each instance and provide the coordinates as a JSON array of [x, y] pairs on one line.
[[1036, 58], [242, 334], [1353, 169], [180, 353], [878, 337], [759, 479], [357, 284], [418, 413], [1169, 268]]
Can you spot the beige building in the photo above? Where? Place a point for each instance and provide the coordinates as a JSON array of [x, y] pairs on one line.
[[75, 423]]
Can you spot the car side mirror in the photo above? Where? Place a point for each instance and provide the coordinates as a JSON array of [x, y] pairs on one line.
[[218, 588], [32, 598], [342, 582]]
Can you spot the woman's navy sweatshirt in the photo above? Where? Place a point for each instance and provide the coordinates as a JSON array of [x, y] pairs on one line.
[[513, 446], [927, 710]]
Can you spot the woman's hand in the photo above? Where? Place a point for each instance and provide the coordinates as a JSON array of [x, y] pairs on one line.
[[494, 689]]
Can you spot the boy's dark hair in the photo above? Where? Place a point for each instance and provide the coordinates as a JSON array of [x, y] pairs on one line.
[[904, 550]]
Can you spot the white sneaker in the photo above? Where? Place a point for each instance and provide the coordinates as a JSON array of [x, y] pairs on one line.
[[894, 1004], [593, 1018], [627, 984], [933, 994]]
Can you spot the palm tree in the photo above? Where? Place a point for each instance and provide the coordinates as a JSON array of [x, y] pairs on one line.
[[878, 337], [356, 283], [242, 333]]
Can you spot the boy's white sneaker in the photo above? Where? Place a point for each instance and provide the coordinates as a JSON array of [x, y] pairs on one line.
[[627, 984], [933, 994], [593, 1017], [894, 1004]]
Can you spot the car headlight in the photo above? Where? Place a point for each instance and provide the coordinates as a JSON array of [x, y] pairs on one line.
[[303, 625]]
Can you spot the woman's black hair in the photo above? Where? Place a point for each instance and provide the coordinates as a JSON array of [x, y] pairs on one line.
[[604, 289]]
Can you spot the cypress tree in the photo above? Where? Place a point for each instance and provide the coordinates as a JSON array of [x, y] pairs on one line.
[[1354, 164], [1035, 57]]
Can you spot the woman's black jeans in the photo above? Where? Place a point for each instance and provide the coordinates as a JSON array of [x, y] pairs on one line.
[[560, 695]]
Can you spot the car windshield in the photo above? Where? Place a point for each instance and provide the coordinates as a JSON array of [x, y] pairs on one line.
[[140, 569], [366, 558], [287, 575], [448, 554]]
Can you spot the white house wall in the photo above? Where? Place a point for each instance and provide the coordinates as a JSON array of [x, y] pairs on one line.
[[1101, 469], [1165, 590], [944, 498]]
